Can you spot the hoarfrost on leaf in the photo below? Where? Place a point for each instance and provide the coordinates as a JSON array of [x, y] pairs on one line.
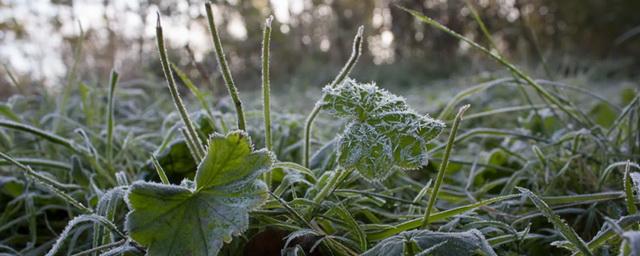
[[195, 220], [383, 133]]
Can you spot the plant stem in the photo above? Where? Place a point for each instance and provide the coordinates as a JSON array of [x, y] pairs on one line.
[[355, 54], [443, 166], [266, 91], [266, 86], [173, 89], [112, 90], [224, 68]]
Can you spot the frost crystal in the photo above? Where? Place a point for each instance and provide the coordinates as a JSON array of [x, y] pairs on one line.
[[383, 132]]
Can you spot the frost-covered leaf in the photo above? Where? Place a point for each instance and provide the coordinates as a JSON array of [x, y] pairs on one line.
[[196, 217], [469, 243], [383, 133]]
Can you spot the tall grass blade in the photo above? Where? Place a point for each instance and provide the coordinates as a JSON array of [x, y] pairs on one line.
[[110, 108], [175, 94], [224, 68], [159, 170], [557, 222], [443, 166]]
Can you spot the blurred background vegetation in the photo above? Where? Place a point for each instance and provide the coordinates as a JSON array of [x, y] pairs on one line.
[[54, 42]]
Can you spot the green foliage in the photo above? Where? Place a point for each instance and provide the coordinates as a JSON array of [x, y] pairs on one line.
[[557, 222], [67, 174], [382, 131], [195, 218], [469, 243]]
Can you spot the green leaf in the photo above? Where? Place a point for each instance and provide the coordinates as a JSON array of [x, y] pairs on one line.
[[195, 219], [383, 133], [470, 242], [603, 114]]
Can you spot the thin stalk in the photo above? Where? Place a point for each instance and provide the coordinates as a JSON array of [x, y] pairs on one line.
[[266, 90], [543, 93], [112, 90], [443, 166], [266, 85], [355, 54], [40, 162], [13, 80], [173, 89], [49, 183], [329, 188], [159, 170], [224, 68]]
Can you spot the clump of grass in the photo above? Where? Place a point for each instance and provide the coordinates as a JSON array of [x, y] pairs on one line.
[[563, 163]]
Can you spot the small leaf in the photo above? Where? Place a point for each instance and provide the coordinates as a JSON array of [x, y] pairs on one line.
[[383, 133], [195, 218], [469, 243]]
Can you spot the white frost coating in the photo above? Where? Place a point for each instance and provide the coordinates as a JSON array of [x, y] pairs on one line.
[[633, 241], [383, 133], [635, 177]]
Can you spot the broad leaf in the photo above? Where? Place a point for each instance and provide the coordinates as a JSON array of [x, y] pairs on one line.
[[469, 243], [383, 133], [195, 218]]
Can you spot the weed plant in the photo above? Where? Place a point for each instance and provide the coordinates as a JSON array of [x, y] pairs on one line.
[[113, 171]]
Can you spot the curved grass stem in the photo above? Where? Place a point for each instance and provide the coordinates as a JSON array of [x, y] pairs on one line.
[[173, 89], [355, 54], [266, 90], [224, 68], [266, 86], [443, 166]]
